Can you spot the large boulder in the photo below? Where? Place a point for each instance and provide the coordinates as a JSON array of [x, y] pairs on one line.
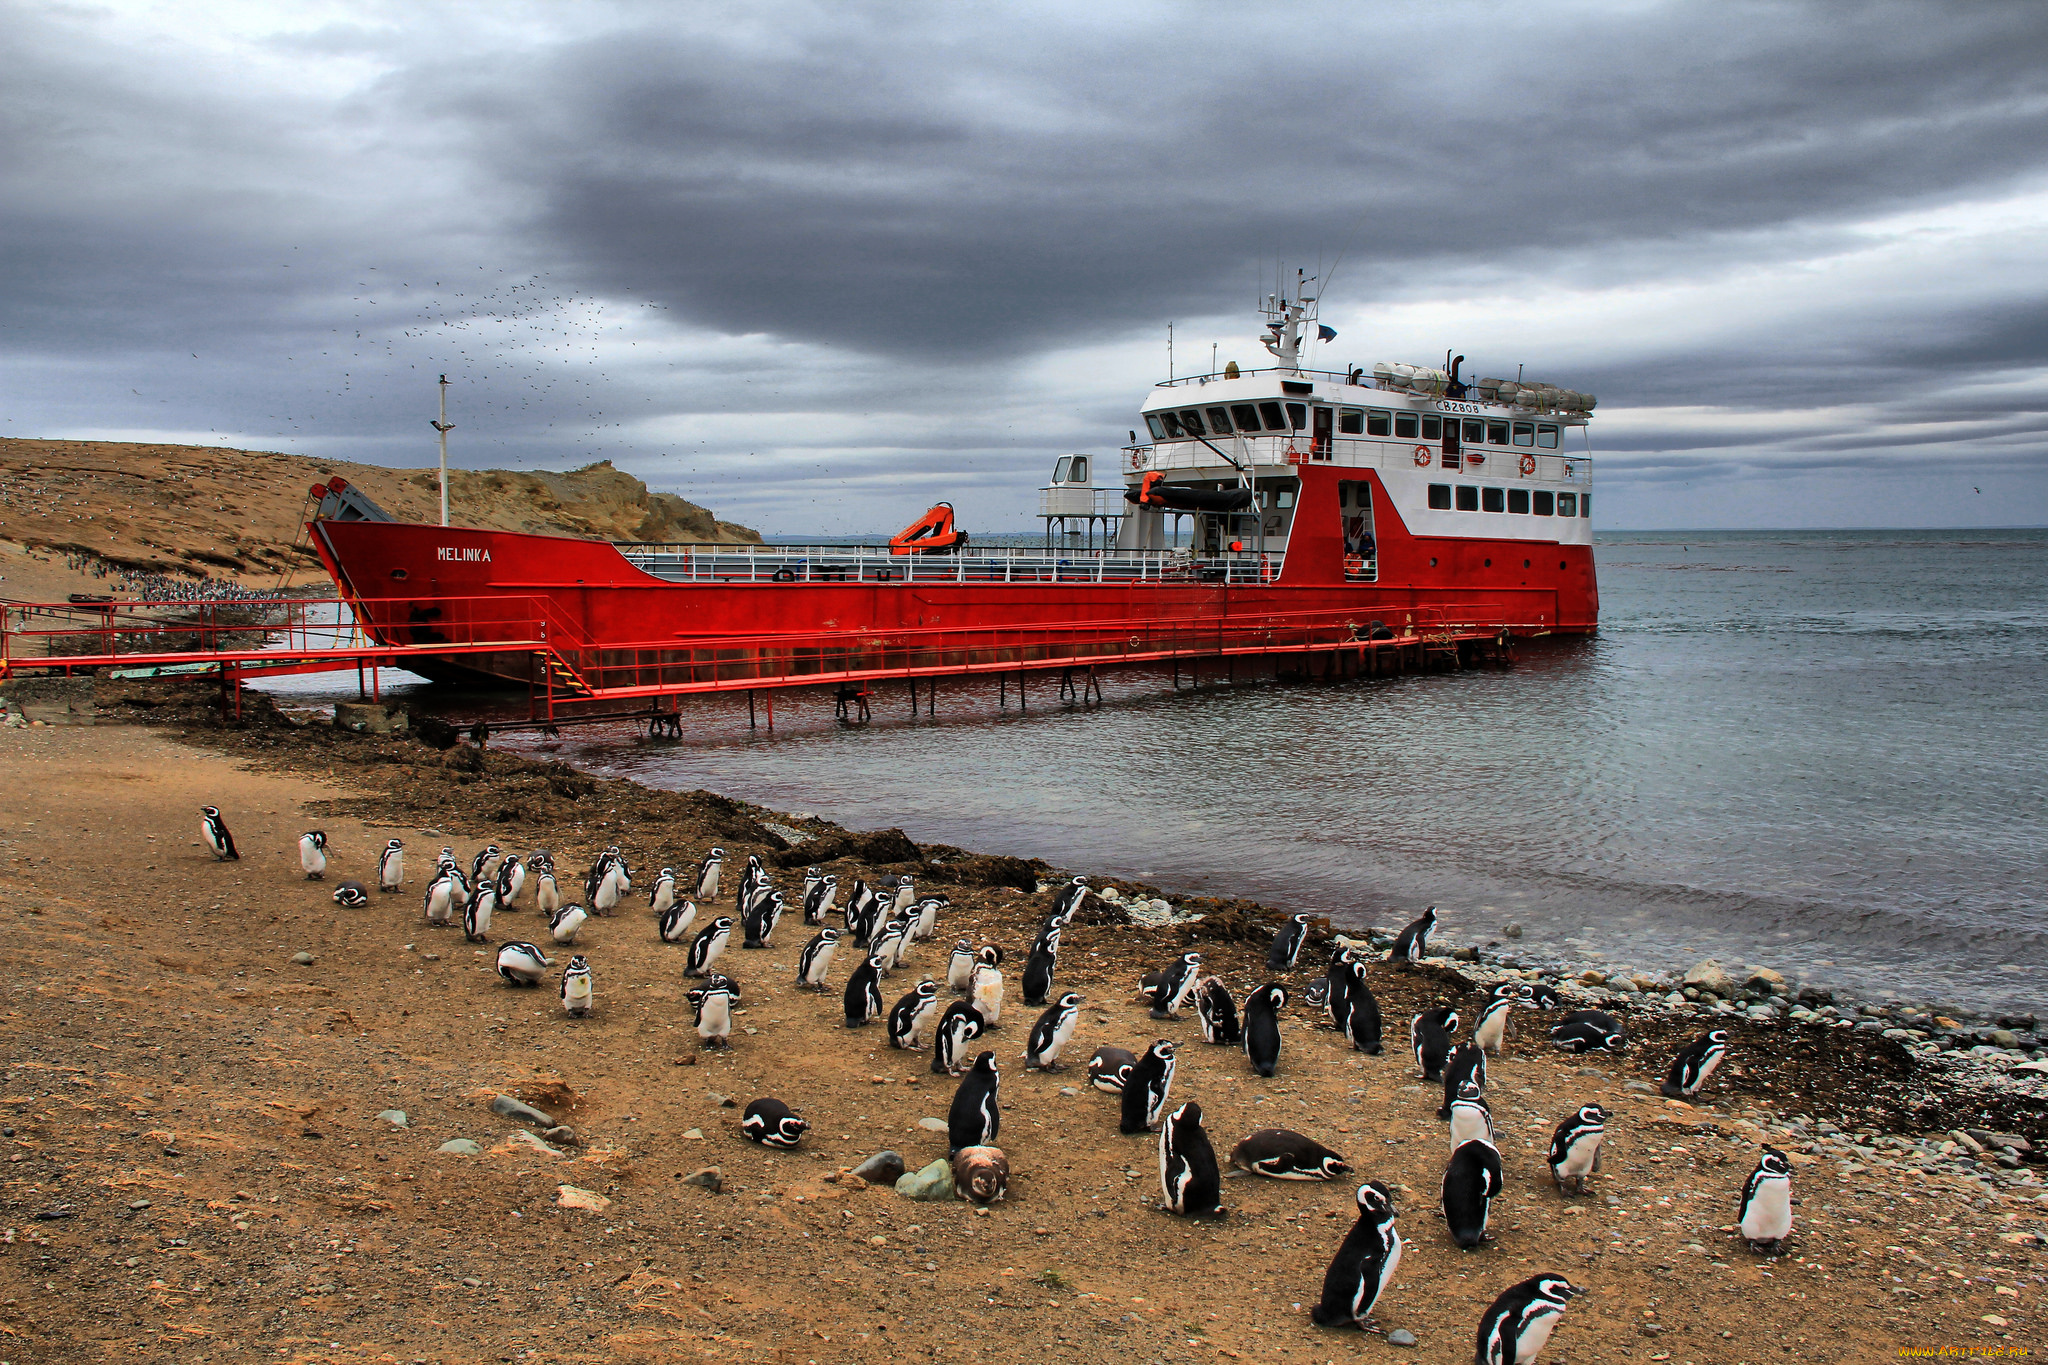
[[1710, 976]]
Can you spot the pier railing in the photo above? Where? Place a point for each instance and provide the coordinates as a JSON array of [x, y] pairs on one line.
[[994, 564]]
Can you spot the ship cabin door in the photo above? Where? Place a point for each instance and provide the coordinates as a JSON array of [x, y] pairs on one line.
[[1361, 551], [1319, 433]]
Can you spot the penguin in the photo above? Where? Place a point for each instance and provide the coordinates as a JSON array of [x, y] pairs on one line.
[[1038, 969], [1470, 1117], [713, 1003], [313, 854], [926, 926], [982, 1174], [1691, 1068], [1286, 948], [1589, 1031], [485, 864], [1069, 900], [439, 903], [610, 886], [960, 966], [770, 1123], [476, 916], [1110, 1067], [1188, 1178], [1286, 1155], [1176, 983], [522, 964], [1575, 1147], [1337, 989], [707, 874], [1492, 1028], [1541, 996], [1316, 995], [577, 993], [816, 959], [1262, 1027], [1145, 1089], [861, 908], [675, 922], [812, 877], [662, 894], [1051, 1032], [752, 877], [1362, 1023], [214, 830], [547, 893], [458, 895], [1364, 1264], [1413, 944], [912, 1014], [1765, 1207], [985, 989], [864, 993], [906, 895], [818, 899], [351, 894], [1471, 1184], [566, 923], [887, 944], [1430, 1034], [391, 867], [976, 1117], [1466, 1065], [1517, 1327], [958, 1026], [760, 925], [1218, 1013], [511, 880], [708, 944]]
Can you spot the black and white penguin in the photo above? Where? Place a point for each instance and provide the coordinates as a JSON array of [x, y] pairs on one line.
[[522, 964], [1174, 986], [1575, 1147], [1188, 1178], [1262, 1027], [438, 905], [981, 1174], [864, 993], [1069, 900], [1691, 1068], [818, 899], [1517, 1327], [1283, 1154], [1541, 996], [709, 943], [662, 894], [354, 895], [566, 923], [906, 895], [547, 892], [1051, 1033], [1492, 1029], [1038, 969], [476, 916], [977, 1113], [214, 830], [760, 925], [813, 878], [1766, 1204], [1337, 989], [485, 864], [886, 944], [1413, 943], [1470, 1117], [1218, 1013], [924, 926], [1110, 1067], [863, 908], [958, 1026], [707, 875], [1286, 948], [1364, 1264], [752, 877], [675, 921], [313, 854], [960, 966], [1466, 1065], [579, 994], [913, 1013], [1362, 1025], [1146, 1086], [985, 988], [606, 885], [1471, 1184], [713, 1004], [1589, 1031], [816, 959], [770, 1123], [511, 881], [391, 866], [1430, 1034]]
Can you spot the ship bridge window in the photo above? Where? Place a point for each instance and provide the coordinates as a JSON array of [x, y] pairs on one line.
[[1543, 501], [1475, 433], [1405, 425], [1546, 437], [1379, 422], [1245, 415], [1191, 422], [1490, 500], [1518, 501], [1567, 504], [1219, 420], [1525, 433], [1585, 504], [1468, 497], [1297, 415], [1350, 421], [1496, 433], [1271, 412], [1439, 497], [1432, 428], [1158, 427]]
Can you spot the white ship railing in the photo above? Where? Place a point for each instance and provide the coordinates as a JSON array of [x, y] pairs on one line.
[[1273, 455], [1082, 502], [994, 564]]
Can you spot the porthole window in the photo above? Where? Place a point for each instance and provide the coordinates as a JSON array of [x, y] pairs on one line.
[[399, 574], [1489, 563], [1432, 561], [1525, 563], [1560, 563]]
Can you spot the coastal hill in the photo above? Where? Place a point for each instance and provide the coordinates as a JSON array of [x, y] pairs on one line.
[[238, 513]]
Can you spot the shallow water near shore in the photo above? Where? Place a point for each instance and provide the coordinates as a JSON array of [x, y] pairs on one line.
[[1818, 751]]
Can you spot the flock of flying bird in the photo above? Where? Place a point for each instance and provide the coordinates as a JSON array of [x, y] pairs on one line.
[[883, 922]]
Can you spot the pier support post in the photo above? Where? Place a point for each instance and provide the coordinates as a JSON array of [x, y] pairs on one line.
[[750, 708]]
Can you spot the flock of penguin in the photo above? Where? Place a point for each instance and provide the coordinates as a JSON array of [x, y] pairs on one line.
[[882, 923]]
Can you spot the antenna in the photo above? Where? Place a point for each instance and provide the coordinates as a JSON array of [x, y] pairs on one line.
[[1169, 352], [444, 427]]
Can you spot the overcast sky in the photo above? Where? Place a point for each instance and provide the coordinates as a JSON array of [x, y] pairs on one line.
[[816, 266]]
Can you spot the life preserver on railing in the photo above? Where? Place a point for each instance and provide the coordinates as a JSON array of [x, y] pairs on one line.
[[1423, 455], [1528, 464], [785, 575], [1294, 456], [1138, 459]]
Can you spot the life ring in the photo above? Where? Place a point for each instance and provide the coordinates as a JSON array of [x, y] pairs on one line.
[[1423, 456], [1528, 464], [785, 575], [1138, 459]]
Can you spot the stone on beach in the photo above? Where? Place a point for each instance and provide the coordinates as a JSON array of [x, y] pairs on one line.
[[396, 1118], [1710, 976], [519, 1112], [460, 1147], [883, 1168], [934, 1182], [572, 1197]]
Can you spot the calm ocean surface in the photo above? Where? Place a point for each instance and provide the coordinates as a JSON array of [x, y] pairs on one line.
[[1824, 752]]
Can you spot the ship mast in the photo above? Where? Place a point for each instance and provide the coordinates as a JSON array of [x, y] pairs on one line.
[[1284, 321]]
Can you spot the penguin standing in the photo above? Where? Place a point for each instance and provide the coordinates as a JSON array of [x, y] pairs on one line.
[[1470, 1117], [862, 906], [391, 867], [1413, 943], [578, 995], [1466, 1065], [1337, 990], [1362, 1019], [485, 864], [313, 854], [1517, 1327], [1586, 1031], [813, 877], [675, 922], [214, 830], [547, 894], [958, 1026], [818, 899], [511, 881], [438, 905], [1038, 969], [1262, 1027], [752, 877], [1188, 1177], [926, 926], [1110, 1067], [906, 895], [1766, 1204], [761, 923], [1430, 1034], [707, 875], [985, 988], [770, 1123], [1691, 1068], [977, 1113], [1286, 949], [1492, 1029], [351, 894], [713, 1004], [1575, 1147], [1364, 1264], [709, 943], [1286, 1155], [1051, 1032], [522, 964], [816, 959], [1471, 1184], [887, 944], [566, 923], [960, 966], [476, 916], [864, 993], [609, 886], [1218, 1013], [912, 1014], [1145, 1089], [1174, 984], [662, 894]]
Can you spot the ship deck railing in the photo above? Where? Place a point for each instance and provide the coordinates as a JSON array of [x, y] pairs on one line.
[[976, 564], [1273, 455]]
